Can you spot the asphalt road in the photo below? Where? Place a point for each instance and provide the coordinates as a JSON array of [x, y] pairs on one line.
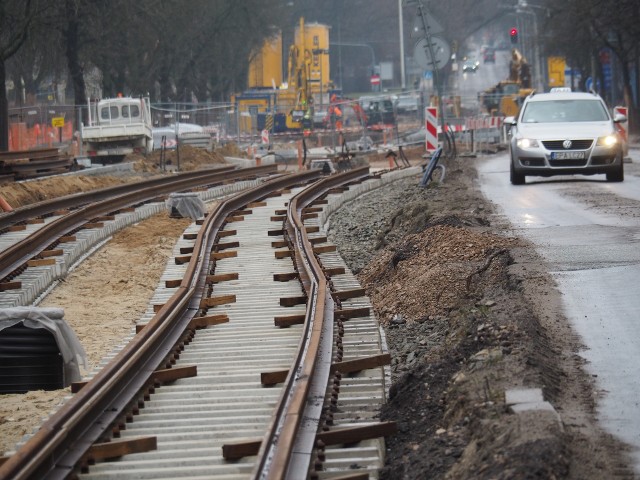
[[588, 231]]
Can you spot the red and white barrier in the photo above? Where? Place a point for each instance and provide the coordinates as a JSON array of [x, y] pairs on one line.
[[431, 127]]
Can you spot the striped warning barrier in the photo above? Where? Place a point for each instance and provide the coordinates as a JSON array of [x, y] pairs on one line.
[[431, 127]]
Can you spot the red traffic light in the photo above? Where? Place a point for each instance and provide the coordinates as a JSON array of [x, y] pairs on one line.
[[513, 33]]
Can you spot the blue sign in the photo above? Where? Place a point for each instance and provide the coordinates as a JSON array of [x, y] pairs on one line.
[[428, 75]]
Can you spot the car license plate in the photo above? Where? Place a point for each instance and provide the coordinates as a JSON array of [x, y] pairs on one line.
[[567, 155]]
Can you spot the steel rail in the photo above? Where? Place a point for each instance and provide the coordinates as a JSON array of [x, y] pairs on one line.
[[62, 441], [45, 207], [18, 254], [305, 386]]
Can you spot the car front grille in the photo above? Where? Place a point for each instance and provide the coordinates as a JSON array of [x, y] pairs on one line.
[[575, 144], [568, 163]]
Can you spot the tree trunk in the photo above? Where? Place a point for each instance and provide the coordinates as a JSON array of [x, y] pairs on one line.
[[4, 110], [73, 61]]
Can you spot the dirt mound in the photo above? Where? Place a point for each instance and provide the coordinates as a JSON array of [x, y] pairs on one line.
[[429, 272], [25, 193], [191, 158]]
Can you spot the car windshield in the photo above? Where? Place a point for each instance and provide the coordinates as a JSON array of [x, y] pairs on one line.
[[564, 111]]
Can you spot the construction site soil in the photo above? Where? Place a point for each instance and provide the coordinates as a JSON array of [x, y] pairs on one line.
[[469, 312]]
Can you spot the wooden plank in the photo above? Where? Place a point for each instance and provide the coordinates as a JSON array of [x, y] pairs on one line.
[[184, 250], [285, 277], [216, 301], [312, 229], [35, 221], [128, 209], [272, 378], [353, 476], [51, 253], [61, 212], [283, 254], [157, 308], [173, 283], [357, 434], [106, 218], [337, 190], [293, 301], [118, 448], [320, 202], [306, 216], [67, 239], [226, 246], [278, 218], [208, 321], [4, 286], [312, 209], [256, 204], [89, 225], [17, 228], [275, 233], [316, 240], [77, 386], [167, 375], [222, 277], [41, 262], [240, 449], [280, 244], [190, 236], [231, 219], [347, 294], [280, 212], [181, 260], [288, 320], [241, 213], [334, 271], [348, 313], [364, 363], [324, 249], [226, 233], [221, 255]]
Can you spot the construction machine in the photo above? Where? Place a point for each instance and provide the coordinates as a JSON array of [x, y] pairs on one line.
[[505, 98]]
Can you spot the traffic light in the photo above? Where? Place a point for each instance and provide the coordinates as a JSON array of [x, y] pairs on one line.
[[513, 33]]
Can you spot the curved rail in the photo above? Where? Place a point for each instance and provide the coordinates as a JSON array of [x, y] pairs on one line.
[[62, 441], [16, 255], [71, 201], [305, 386]]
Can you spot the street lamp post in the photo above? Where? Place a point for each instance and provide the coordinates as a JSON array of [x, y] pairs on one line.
[[403, 79]]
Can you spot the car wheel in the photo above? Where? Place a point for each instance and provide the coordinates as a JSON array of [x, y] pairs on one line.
[[515, 177], [618, 175]]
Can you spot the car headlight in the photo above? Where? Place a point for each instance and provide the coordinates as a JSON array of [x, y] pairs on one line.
[[527, 143], [608, 141]]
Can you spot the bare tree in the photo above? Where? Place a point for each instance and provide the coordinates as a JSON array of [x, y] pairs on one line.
[[17, 18]]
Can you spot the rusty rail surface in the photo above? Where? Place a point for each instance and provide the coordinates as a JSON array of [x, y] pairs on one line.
[[63, 440], [101, 203], [307, 380], [46, 207]]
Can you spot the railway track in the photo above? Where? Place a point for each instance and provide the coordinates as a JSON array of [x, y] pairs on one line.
[[39, 243], [201, 407]]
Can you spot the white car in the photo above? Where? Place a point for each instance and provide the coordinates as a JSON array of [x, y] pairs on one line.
[[564, 132]]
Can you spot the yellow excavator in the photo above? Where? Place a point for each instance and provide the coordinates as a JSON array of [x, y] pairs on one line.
[[505, 98]]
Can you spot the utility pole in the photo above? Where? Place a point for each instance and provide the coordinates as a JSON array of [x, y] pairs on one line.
[[401, 28]]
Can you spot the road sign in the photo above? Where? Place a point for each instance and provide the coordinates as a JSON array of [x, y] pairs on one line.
[[57, 122], [265, 137], [375, 79], [441, 52], [432, 24]]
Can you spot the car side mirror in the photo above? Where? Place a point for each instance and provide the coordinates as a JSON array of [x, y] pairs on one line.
[[509, 121], [619, 118]]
